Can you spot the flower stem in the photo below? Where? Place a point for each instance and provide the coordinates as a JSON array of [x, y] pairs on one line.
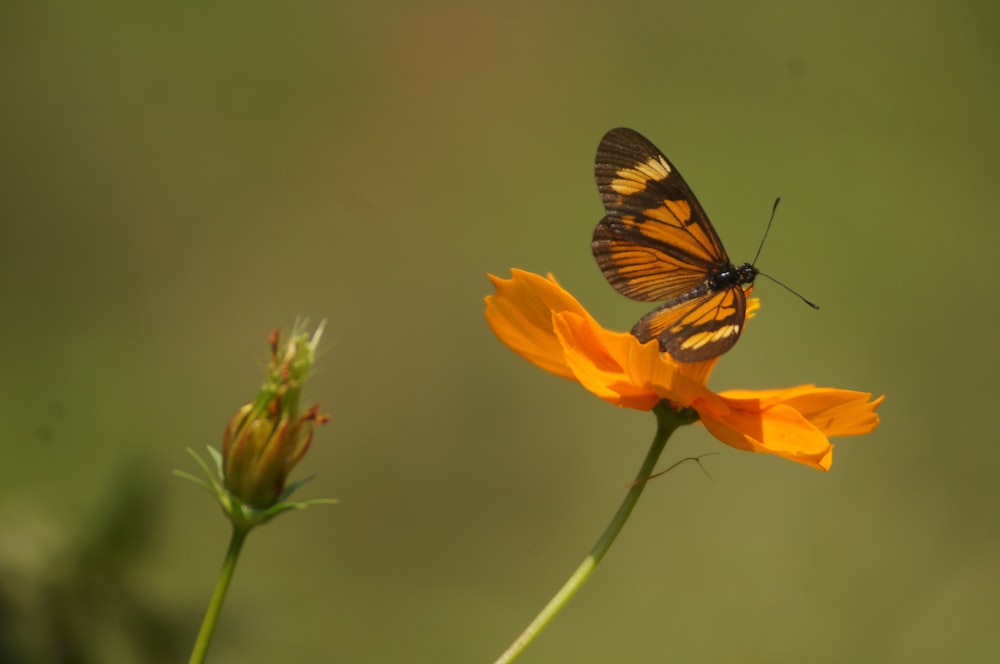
[[219, 596], [667, 421]]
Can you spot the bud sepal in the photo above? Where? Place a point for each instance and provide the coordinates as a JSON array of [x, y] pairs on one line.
[[241, 515]]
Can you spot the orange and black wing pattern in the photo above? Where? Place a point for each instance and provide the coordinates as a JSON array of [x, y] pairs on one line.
[[656, 243]]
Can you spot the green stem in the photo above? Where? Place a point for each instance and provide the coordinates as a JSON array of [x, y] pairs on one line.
[[219, 596], [667, 421]]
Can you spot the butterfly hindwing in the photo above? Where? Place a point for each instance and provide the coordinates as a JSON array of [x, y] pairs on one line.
[[696, 329], [656, 243]]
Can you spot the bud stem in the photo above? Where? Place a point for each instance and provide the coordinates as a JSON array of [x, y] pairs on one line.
[[219, 596]]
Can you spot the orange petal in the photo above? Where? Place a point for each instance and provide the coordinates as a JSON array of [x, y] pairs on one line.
[[795, 423], [681, 383], [620, 370], [594, 356], [777, 429], [520, 314], [833, 411]]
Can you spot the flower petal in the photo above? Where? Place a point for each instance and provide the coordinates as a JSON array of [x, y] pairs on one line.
[[795, 423], [520, 314], [616, 367], [681, 383], [594, 356], [778, 429], [833, 411]]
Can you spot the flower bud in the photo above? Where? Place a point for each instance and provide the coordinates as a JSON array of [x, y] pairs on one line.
[[268, 436]]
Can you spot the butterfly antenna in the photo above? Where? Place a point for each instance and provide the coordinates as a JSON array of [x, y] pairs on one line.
[[766, 231], [787, 288]]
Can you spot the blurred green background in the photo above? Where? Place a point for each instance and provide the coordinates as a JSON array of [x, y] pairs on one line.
[[176, 180]]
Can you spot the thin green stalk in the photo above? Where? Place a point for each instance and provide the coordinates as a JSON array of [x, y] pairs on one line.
[[667, 421], [219, 596]]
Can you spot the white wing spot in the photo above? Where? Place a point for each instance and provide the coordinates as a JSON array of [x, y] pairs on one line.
[[696, 341], [633, 180]]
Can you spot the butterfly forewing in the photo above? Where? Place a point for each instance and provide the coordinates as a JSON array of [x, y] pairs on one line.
[[637, 181], [656, 243]]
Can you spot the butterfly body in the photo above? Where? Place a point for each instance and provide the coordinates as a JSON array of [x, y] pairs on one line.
[[656, 243], [732, 276]]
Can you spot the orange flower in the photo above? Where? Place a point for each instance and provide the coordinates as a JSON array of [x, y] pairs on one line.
[[544, 324]]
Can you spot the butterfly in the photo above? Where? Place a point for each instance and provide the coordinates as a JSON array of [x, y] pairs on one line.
[[656, 243]]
